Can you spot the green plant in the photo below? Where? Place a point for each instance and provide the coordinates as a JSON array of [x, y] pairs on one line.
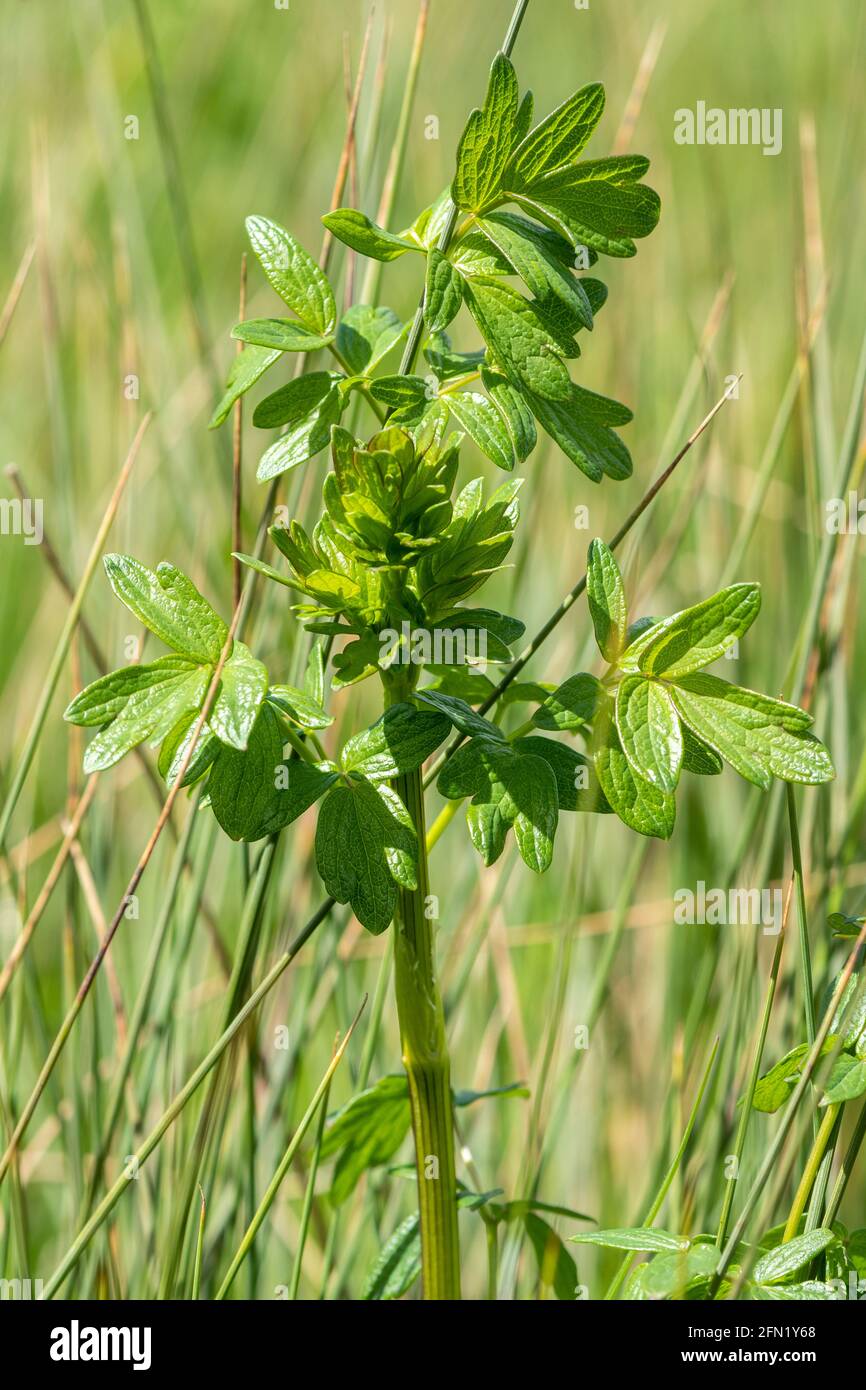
[[393, 559]]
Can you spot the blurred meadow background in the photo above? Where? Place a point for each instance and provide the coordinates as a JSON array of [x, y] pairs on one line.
[[135, 138]]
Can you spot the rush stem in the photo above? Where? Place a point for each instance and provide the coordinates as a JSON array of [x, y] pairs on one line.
[[810, 1172]]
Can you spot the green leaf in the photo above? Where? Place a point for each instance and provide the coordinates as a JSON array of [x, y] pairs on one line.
[[515, 413], [759, 737], [243, 684], [857, 1251], [607, 603], [398, 1263], [447, 363], [530, 785], [463, 682], [573, 705], [633, 1238], [649, 731], [148, 714], [787, 1259], [209, 629], [846, 1081], [472, 253], [366, 335], [294, 402], [366, 1132], [300, 707], [169, 605], [540, 269], [558, 139], [849, 1021], [314, 674], [775, 1086], [581, 427], [687, 641], [429, 225], [556, 1268], [309, 406], [443, 291], [517, 1089], [840, 924], [461, 715], [670, 1274], [648, 809], [294, 275], [698, 757], [242, 784], [363, 839], [485, 426], [284, 335], [355, 229], [301, 785], [245, 371], [261, 567], [259, 791], [577, 785], [398, 390], [511, 1210], [508, 788], [599, 203], [174, 749], [526, 693], [104, 698], [811, 1290], [486, 142], [398, 742], [521, 342], [357, 661], [505, 629]]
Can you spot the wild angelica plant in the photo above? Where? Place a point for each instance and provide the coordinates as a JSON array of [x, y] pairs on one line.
[[386, 574]]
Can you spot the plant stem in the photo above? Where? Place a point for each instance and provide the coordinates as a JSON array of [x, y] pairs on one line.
[[199, 1249], [425, 1057], [802, 918], [419, 1004], [810, 1172], [492, 1232]]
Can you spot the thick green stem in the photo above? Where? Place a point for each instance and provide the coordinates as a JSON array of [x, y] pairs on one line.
[[425, 1057]]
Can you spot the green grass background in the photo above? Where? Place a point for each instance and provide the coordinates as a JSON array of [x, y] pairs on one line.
[[257, 101]]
